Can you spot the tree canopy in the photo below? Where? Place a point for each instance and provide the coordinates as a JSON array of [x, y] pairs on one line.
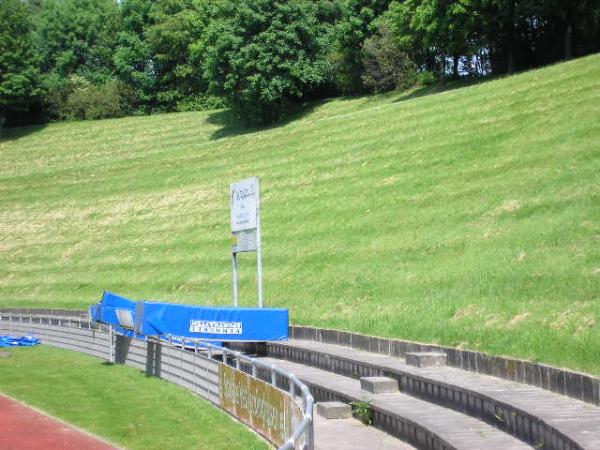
[[262, 53], [260, 56], [19, 72]]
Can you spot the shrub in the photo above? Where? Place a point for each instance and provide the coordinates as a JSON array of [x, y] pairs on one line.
[[426, 78], [200, 102], [89, 102], [386, 67]]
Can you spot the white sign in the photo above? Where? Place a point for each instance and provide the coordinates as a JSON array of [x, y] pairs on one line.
[[215, 327], [244, 204]]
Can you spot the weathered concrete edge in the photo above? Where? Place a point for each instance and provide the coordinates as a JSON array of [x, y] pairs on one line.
[[576, 385]]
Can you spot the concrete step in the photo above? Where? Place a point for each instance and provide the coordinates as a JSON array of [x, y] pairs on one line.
[[378, 385], [334, 410], [425, 425], [351, 434], [534, 415]]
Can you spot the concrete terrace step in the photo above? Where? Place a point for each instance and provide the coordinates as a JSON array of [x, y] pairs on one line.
[[351, 434], [534, 415], [420, 423]]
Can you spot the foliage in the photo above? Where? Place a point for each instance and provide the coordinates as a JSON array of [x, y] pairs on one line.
[[133, 55], [356, 24], [177, 25], [261, 54], [19, 73], [425, 78], [386, 67], [363, 411], [74, 38], [77, 37], [112, 98], [200, 102]]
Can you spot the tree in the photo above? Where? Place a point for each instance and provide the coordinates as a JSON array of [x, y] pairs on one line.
[[177, 26], [357, 23], [19, 73], [262, 54], [386, 67], [133, 57], [77, 37], [74, 37]]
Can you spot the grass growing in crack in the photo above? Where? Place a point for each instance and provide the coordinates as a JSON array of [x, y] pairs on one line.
[[363, 411]]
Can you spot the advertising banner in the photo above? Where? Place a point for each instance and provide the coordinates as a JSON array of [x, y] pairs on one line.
[[214, 323], [265, 408]]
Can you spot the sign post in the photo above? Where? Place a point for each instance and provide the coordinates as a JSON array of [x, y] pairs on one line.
[[245, 229]]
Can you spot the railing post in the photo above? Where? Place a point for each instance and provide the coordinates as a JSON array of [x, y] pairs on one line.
[[110, 343], [310, 434], [273, 376], [181, 360], [195, 362]]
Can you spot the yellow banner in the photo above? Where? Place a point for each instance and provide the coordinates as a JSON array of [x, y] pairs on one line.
[[265, 408]]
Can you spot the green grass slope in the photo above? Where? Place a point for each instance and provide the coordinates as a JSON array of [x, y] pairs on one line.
[[469, 217]]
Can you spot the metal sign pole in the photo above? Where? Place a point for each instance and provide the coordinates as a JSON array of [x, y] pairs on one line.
[[235, 278], [259, 247]]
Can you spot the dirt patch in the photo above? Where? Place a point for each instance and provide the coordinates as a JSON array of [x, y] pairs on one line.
[[575, 315], [517, 319], [467, 312], [4, 354]]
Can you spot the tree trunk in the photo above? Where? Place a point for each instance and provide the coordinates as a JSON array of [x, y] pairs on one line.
[[569, 42], [455, 60], [569, 33], [442, 68], [510, 44], [510, 58]]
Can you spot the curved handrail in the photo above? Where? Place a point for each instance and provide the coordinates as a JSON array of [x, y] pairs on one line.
[[306, 426]]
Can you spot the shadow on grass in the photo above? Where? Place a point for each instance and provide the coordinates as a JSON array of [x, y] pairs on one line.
[[13, 133], [232, 126], [437, 88]]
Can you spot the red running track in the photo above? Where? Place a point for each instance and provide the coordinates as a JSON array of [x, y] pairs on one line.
[[24, 428]]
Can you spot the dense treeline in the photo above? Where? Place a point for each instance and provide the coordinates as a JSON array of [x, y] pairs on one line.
[[89, 59]]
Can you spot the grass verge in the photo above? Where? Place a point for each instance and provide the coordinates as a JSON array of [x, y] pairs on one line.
[[119, 403]]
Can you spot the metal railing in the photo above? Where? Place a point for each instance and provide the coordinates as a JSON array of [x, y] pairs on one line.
[[295, 388], [306, 427]]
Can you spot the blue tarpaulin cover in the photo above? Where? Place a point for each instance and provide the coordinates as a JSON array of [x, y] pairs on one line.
[[215, 323], [12, 341], [115, 310]]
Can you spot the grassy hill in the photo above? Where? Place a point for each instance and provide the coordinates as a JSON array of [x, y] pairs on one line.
[[469, 217]]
